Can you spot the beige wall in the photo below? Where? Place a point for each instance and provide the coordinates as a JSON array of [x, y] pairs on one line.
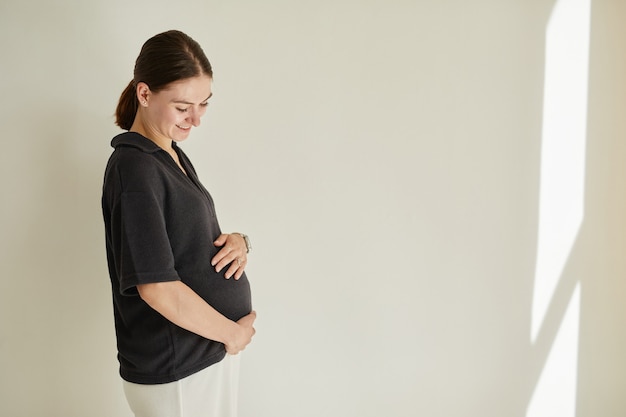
[[384, 157]]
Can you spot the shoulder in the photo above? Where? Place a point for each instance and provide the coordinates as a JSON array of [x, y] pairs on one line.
[[134, 168], [131, 161]]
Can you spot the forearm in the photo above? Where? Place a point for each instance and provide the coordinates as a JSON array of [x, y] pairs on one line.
[[182, 306]]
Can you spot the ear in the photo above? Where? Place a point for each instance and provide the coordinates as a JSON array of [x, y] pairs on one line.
[[143, 94]]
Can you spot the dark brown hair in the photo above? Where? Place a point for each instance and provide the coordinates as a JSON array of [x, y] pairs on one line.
[[167, 57]]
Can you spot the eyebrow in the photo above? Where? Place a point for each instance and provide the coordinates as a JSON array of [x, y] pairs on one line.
[[187, 102]]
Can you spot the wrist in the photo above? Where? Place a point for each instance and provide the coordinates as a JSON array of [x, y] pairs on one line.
[[233, 330]]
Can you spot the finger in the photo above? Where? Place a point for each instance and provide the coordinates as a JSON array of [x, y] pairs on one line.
[[221, 239], [250, 317], [237, 241], [232, 352], [222, 257], [241, 269], [234, 267], [229, 259]]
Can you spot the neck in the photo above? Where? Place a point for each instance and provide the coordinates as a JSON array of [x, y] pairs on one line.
[[140, 127]]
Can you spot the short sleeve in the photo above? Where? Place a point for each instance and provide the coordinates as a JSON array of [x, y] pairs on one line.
[[144, 253]]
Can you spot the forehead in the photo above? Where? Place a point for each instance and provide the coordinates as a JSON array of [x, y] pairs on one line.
[[193, 90]]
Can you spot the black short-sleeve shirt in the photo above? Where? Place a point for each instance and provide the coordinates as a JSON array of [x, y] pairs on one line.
[[160, 226]]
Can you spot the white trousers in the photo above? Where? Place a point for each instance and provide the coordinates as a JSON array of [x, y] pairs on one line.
[[211, 392]]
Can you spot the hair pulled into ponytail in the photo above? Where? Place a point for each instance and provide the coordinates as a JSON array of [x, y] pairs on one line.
[[165, 58], [127, 107]]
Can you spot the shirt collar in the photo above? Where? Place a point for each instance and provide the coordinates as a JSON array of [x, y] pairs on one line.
[[136, 140]]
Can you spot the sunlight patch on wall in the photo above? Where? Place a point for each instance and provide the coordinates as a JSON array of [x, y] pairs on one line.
[[555, 393], [561, 199]]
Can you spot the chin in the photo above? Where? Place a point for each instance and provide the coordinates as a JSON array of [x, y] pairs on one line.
[[180, 136]]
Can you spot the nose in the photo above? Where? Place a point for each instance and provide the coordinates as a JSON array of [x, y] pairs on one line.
[[195, 119]]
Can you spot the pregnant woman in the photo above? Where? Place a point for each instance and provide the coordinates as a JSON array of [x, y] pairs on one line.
[[181, 298]]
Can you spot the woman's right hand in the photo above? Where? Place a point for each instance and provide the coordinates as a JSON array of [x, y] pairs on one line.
[[243, 335]]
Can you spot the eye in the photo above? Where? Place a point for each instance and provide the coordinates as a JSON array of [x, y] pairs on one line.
[[181, 110], [205, 104]]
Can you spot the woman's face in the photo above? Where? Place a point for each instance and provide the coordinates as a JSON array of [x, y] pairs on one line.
[[172, 112]]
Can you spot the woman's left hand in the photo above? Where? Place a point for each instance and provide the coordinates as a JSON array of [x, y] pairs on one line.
[[233, 252]]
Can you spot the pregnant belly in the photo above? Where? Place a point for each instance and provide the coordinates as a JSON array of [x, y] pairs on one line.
[[230, 297]]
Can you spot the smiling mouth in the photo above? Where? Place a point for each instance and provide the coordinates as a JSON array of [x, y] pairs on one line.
[[184, 128]]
